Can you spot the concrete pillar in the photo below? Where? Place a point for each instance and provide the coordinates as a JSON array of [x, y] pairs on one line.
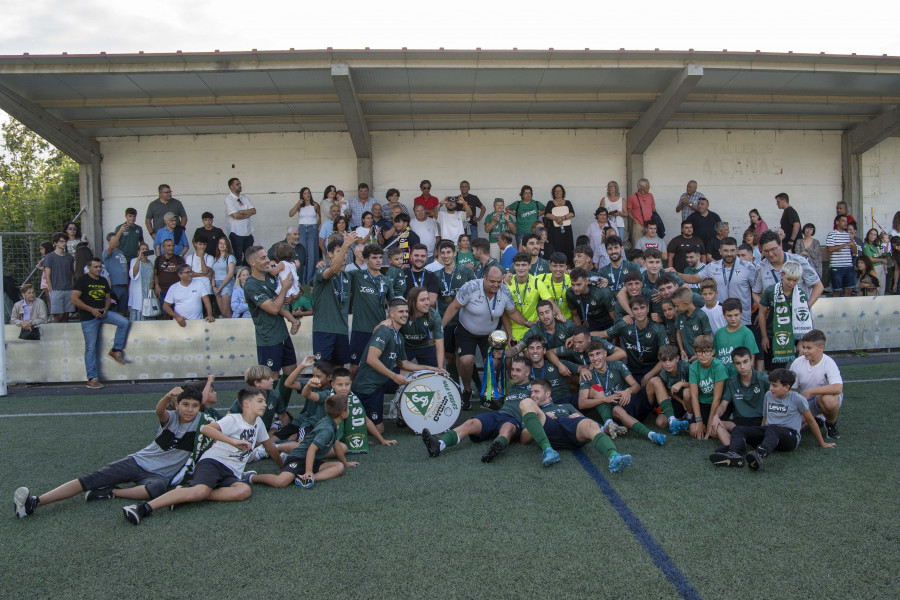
[[364, 173], [634, 170], [91, 200], [851, 182]]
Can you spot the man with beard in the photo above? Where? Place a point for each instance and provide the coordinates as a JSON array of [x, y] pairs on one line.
[[735, 275], [418, 276]]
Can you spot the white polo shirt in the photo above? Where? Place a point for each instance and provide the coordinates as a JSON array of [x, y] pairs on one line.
[[241, 227], [187, 301]]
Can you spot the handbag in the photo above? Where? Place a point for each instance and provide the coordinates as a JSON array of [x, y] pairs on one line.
[[150, 307], [660, 227], [30, 334]]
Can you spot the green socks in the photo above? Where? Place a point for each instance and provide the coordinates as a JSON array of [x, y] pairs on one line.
[[605, 411], [641, 429], [604, 445], [283, 390], [450, 438], [666, 406], [533, 424], [503, 442]]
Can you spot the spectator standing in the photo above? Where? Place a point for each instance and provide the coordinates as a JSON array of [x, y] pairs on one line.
[[689, 201], [380, 220], [158, 209], [130, 234], [757, 224], [616, 207], [165, 269], [59, 267], [790, 222], [558, 217], [327, 227], [393, 200], [713, 248], [201, 265], [239, 308], [186, 299], [768, 272], [223, 275], [679, 246], [426, 199], [30, 311], [45, 249], [173, 232], [330, 198], [842, 253], [425, 227], [867, 282], [74, 237], [704, 222], [596, 233], [525, 212], [851, 229], [209, 232], [872, 248], [362, 203], [452, 220], [641, 206], [117, 268], [651, 241], [500, 221], [470, 204], [309, 215], [140, 275], [240, 223], [841, 209], [91, 296], [809, 248]]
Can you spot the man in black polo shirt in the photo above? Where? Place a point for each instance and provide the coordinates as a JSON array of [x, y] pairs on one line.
[[790, 222], [417, 276], [704, 222], [679, 247]]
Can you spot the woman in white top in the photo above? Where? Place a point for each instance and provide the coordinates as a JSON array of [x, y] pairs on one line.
[[616, 207], [367, 232], [141, 274], [308, 225]]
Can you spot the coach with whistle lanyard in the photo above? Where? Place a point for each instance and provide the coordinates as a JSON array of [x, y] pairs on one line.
[[769, 271], [734, 277]]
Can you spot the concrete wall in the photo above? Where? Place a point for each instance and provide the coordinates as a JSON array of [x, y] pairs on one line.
[[880, 172]]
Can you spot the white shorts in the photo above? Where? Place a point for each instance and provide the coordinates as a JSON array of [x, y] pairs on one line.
[[814, 406]]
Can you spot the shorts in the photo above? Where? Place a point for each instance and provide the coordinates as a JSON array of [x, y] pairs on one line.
[[467, 342], [747, 421], [639, 408], [333, 347], [814, 405], [278, 355], [423, 356], [358, 342], [704, 412], [125, 470], [491, 423], [297, 465], [374, 403], [286, 431], [562, 433], [212, 474], [61, 302], [843, 278], [449, 339]]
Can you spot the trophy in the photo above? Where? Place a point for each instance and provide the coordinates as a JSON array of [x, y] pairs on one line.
[[493, 390]]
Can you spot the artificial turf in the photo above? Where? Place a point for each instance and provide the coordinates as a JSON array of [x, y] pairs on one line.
[[814, 523]]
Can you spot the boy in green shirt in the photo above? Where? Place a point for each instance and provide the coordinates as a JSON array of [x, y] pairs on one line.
[[669, 380], [733, 335], [743, 398], [691, 322], [396, 275], [370, 291], [707, 379]]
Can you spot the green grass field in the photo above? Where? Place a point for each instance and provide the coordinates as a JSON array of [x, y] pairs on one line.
[[813, 524]]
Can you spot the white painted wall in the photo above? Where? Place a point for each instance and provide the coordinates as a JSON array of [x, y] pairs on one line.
[[880, 171], [740, 170], [272, 168]]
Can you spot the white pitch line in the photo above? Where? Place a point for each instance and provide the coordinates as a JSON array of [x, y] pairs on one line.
[[82, 414]]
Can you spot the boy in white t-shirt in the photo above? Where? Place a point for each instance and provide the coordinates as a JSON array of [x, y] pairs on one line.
[[201, 263], [219, 472], [819, 381], [710, 292]]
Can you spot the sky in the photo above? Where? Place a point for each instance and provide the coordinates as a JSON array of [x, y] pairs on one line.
[[92, 26]]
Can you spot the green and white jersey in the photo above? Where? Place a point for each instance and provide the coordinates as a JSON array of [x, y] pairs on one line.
[[501, 226], [706, 378], [514, 396], [682, 373], [692, 326], [270, 329], [541, 267], [652, 285], [422, 331], [450, 284], [274, 406], [641, 345], [613, 380], [324, 435], [479, 268], [616, 276], [396, 281], [656, 307], [313, 410], [549, 372], [726, 341], [557, 339], [393, 350], [581, 358], [465, 258], [596, 306], [560, 411], [748, 401], [369, 299], [331, 302], [526, 213]]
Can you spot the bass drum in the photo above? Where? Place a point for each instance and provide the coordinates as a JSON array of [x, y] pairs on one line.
[[430, 400]]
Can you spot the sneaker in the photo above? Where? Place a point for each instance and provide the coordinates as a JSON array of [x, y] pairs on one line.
[[258, 453], [726, 459], [613, 430], [755, 459], [676, 426], [305, 484], [831, 431], [820, 419], [466, 400], [135, 512], [619, 462], [246, 476], [94, 384], [117, 356], [493, 451], [431, 443], [104, 493], [657, 438], [550, 457], [25, 503]]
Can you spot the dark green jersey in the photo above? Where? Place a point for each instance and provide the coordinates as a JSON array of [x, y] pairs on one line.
[[422, 331], [479, 268], [595, 307], [274, 406], [656, 307], [324, 435], [314, 410], [465, 258], [270, 329], [541, 267], [748, 401], [613, 380], [396, 282], [393, 350], [641, 345], [692, 326], [450, 284], [130, 240], [560, 411], [557, 339], [331, 299], [549, 372], [653, 285], [682, 373], [514, 396], [616, 276], [581, 358], [369, 299]]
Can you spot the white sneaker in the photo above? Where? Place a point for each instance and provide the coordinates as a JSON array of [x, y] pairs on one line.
[[259, 453]]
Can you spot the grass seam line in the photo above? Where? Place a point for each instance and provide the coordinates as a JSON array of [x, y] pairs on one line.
[[644, 537]]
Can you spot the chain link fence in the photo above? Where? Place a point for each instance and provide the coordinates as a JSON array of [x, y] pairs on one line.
[[21, 254]]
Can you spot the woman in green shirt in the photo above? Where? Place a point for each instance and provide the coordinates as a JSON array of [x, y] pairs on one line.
[[872, 248], [422, 333]]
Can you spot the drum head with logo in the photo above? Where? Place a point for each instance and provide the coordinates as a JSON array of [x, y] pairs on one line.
[[430, 400]]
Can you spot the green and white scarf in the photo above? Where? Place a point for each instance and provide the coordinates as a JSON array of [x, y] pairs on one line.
[[353, 431], [791, 321]]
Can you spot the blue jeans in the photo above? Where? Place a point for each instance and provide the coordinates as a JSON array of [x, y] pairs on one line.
[[91, 331], [473, 232], [843, 278], [309, 239]]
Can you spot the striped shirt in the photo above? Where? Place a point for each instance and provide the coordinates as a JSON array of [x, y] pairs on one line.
[[357, 208], [844, 256]]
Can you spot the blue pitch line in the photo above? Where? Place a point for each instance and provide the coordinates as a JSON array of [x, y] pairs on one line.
[[650, 545]]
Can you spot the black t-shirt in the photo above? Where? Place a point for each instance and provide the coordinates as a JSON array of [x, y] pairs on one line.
[[430, 282], [788, 218], [475, 204], [93, 293], [546, 251], [212, 237], [678, 248], [410, 239], [714, 248], [704, 227]]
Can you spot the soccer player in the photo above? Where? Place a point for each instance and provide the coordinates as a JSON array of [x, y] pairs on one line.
[[576, 351], [150, 469], [453, 276], [548, 327], [536, 351], [481, 250], [583, 259], [331, 299], [669, 380], [591, 306], [553, 285], [785, 413], [370, 291], [743, 398], [691, 322], [819, 381], [564, 428], [532, 244], [707, 379], [617, 268], [734, 335], [524, 289]]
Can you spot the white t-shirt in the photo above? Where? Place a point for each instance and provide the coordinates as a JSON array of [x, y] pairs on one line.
[[197, 267], [611, 206], [434, 267], [289, 268], [716, 317], [233, 204], [452, 226], [427, 232], [808, 376], [234, 426], [187, 301]]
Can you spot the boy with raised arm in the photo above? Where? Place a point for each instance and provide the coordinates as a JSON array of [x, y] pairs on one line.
[[331, 299], [218, 474], [150, 469]]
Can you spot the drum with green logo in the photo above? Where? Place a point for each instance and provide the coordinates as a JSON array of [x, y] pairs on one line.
[[430, 400]]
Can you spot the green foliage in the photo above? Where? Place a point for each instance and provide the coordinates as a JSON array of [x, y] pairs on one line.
[[40, 184]]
